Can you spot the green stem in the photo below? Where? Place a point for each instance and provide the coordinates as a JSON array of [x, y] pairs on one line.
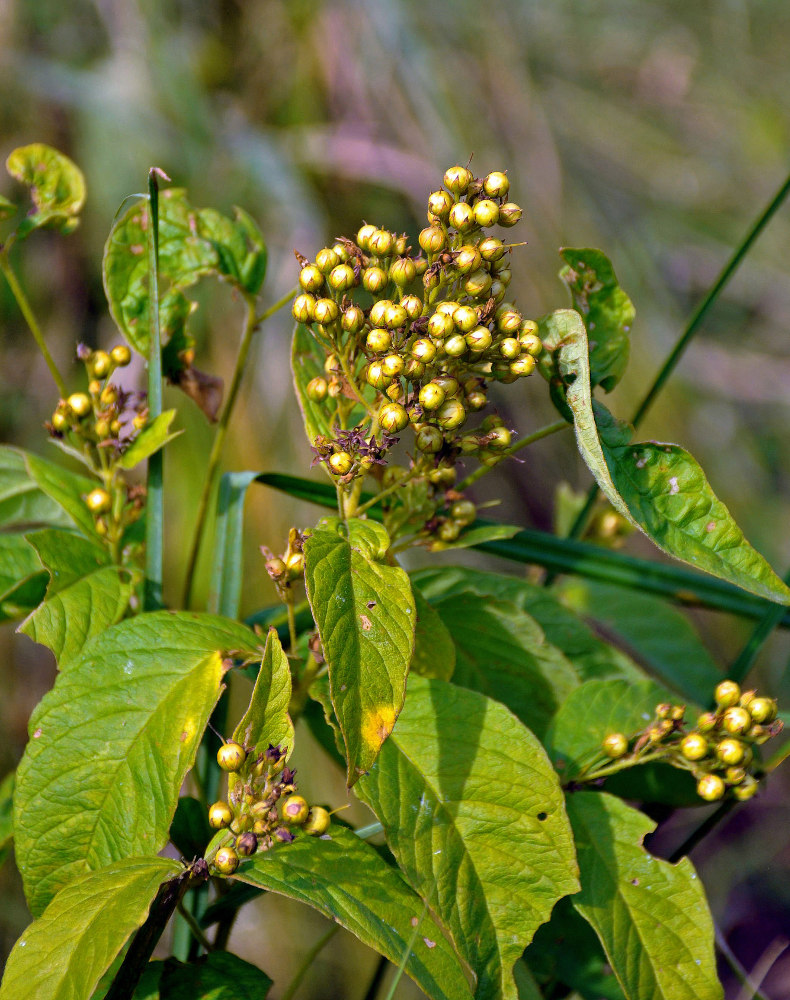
[[30, 319], [310, 957], [621, 765], [288, 297], [384, 493], [559, 425], [743, 662], [154, 516], [693, 325], [194, 928], [405, 957]]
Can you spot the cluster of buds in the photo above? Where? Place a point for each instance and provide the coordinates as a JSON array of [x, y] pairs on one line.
[[287, 568], [258, 784], [718, 750], [420, 349]]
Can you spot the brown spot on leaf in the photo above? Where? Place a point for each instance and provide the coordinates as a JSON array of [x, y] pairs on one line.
[[429, 943], [37, 733], [367, 625]]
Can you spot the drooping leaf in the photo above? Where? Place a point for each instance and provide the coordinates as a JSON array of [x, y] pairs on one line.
[[590, 656], [66, 488], [652, 917], [57, 187], [660, 488], [502, 652], [655, 632], [216, 976], [23, 504], [607, 312], [346, 880], [86, 593], [595, 710], [193, 243], [150, 439], [63, 954], [266, 720], [6, 814], [434, 650], [474, 814], [365, 613], [112, 743]]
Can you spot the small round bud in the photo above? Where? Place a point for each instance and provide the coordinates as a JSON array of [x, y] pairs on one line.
[[509, 214], [498, 290], [310, 278], [342, 253], [246, 844], [316, 389], [295, 564], [342, 277], [381, 243], [468, 259], [79, 403], [326, 260], [743, 792], [440, 325], [499, 438], [378, 311], [462, 217], [340, 463], [423, 350], [735, 775], [326, 311], [403, 271], [439, 204], [317, 822], [393, 417], [99, 364], [465, 318], [451, 414], [530, 342], [457, 179], [413, 306], [109, 395], [363, 236], [102, 429], [730, 751], [450, 385], [447, 307], [231, 756], [226, 860], [486, 213], [710, 787], [378, 340], [763, 710], [414, 370], [219, 815], [444, 475], [295, 810], [395, 393], [508, 322], [706, 722], [476, 400], [694, 746], [510, 348], [463, 511], [491, 248], [479, 339], [94, 387], [121, 355], [429, 439], [727, 693], [736, 720], [395, 316], [478, 284], [496, 184], [392, 365], [456, 346], [449, 531], [98, 501], [376, 376], [374, 279], [432, 239], [431, 396], [523, 365], [615, 745], [303, 308], [60, 421]]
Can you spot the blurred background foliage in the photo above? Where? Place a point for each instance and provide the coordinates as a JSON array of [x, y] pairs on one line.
[[655, 130]]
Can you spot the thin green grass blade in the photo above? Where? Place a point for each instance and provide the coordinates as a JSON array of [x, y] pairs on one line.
[[154, 520]]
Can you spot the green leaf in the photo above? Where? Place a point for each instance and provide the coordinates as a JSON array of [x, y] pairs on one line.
[[193, 243], [652, 631], [365, 613], [57, 187], [477, 533], [66, 488], [502, 652], [346, 880], [660, 488], [18, 561], [150, 439], [23, 597], [227, 569], [595, 710], [474, 815], [607, 312], [216, 976], [112, 743], [86, 594], [7, 208], [652, 917], [590, 656], [266, 720], [63, 954], [434, 650], [307, 362], [525, 982], [6, 814], [23, 504]]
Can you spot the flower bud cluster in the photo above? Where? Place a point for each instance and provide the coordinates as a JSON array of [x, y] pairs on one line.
[[288, 568], [258, 785], [718, 750], [417, 338]]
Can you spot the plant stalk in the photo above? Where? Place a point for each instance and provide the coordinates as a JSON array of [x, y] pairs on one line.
[[154, 521], [559, 425], [310, 957]]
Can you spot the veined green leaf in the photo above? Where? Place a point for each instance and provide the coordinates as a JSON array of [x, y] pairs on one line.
[[138, 695], [307, 362], [595, 710], [434, 650], [652, 917], [474, 814], [660, 488], [365, 613], [502, 652], [150, 439], [655, 632], [86, 593], [590, 656], [23, 504], [18, 561], [266, 720], [607, 312], [6, 814], [216, 976], [63, 954], [57, 187], [66, 488], [335, 874]]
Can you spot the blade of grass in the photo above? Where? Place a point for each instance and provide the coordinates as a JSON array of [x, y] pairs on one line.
[[744, 661]]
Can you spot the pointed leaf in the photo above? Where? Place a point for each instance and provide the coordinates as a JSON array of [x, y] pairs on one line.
[[63, 954], [502, 652], [478, 533], [57, 187], [150, 439], [112, 743], [607, 312], [85, 596], [347, 881], [474, 814], [434, 650], [364, 610], [266, 720], [216, 976], [660, 488], [18, 561], [23, 504], [652, 917], [66, 488]]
